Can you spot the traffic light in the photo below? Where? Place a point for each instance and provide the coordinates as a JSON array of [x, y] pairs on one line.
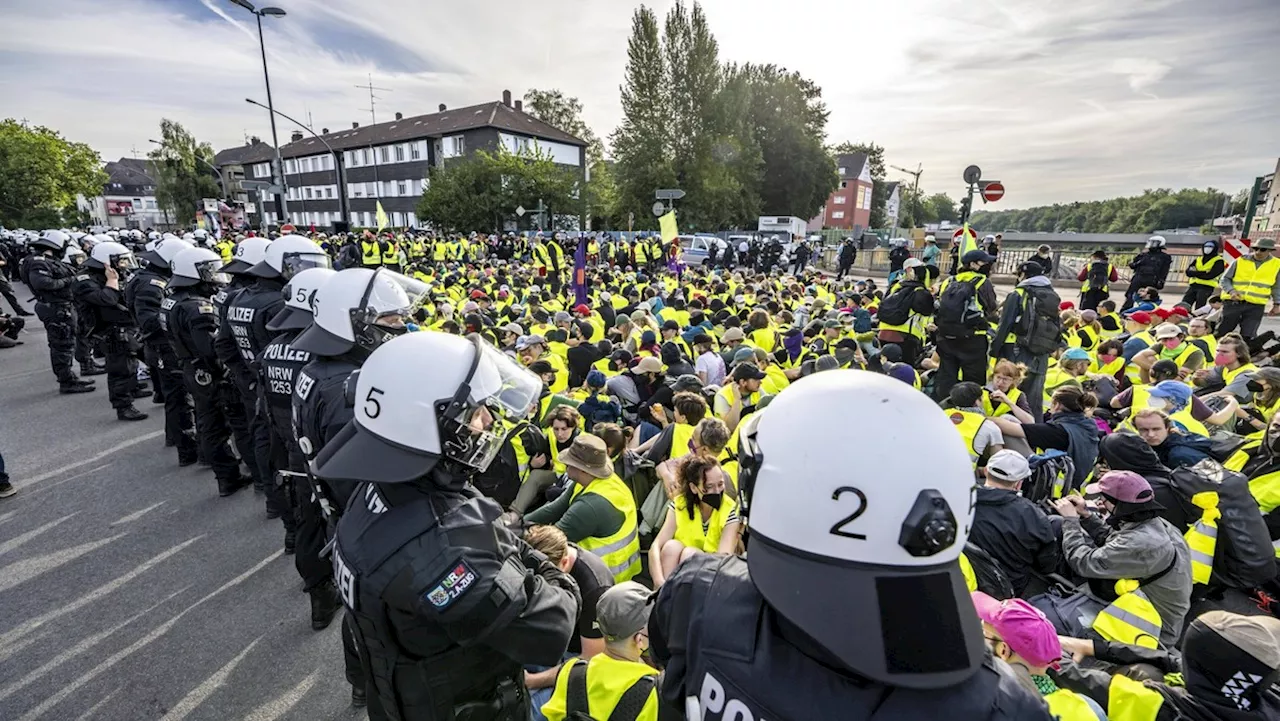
[[966, 204]]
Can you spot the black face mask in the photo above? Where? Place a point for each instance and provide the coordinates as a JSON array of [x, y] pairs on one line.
[[1255, 387], [713, 499]]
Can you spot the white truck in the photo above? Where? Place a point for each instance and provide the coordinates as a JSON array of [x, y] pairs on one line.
[[786, 227]]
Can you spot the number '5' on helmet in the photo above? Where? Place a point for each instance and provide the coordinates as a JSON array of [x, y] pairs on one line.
[[289, 255], [359, 308], [113, 255], [298, 296], [194, 265], [164, 251], [407, 421], [865, 526]]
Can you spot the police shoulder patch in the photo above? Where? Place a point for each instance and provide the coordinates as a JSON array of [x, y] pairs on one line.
[[159, 282], [206, 308], [82, 276], [455, 582]]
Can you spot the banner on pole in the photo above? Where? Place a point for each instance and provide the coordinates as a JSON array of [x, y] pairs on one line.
[[382, 217], [667, 226]]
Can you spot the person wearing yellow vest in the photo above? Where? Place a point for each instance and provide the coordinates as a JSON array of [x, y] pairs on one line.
[[1020, 635], [981, 437], [1108, 360], [390, 253], [598, 512], [1071, 368], [534, 348], [701, 518], [1227, 666], [1202, 275], [1001, 395], [1232, 370], [1199, 334], [1248, 284], [617, 683], [370, 252], [1175, 447], [1108, 320], [225, 249], [738, 397], [1146, 557], [1171, 344]]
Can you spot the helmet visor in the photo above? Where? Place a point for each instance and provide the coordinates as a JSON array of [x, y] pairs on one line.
[[294, 263], [124, 261], [208, 272], [390, 301], [497, 396]]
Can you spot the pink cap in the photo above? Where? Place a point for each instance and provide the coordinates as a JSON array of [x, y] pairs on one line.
[[1022, 626], [1124, 486]]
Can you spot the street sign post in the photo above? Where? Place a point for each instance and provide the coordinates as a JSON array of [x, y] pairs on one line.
[[972, 174], [659, 209], [992, 190], [669, 194]]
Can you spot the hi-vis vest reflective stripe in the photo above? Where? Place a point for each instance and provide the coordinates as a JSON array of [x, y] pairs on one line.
[[1066, 705], [1253, 281], [370, 252], [1202, 537], [1105, 287], [391, 256], [681, 440], [1201, 265], [620, 551], [993, 410], [968, 424], [1129, 700], [1229, 375], [689, 530], [1130, 619]]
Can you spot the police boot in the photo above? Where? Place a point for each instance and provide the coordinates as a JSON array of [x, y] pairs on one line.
[[142, 392], [358, 697], [290, 541], [226, 489], [89, 369], [77, 387], [130, 414], [324, 606]]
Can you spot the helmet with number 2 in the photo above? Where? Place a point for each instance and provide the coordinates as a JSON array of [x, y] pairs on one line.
[[407, 421], [877, 539]]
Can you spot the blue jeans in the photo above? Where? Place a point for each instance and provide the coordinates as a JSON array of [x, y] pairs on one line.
[[647, 430], [539, 697]]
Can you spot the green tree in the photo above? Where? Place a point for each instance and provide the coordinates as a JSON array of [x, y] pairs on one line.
[[483, 191], [880, 186], [40, 175], [565, 112], [939, 207], [184, 176], [640, 142], [1156, 209]]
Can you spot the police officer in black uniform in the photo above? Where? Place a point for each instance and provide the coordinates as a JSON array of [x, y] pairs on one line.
[[97, 290], [50, 280], [280, 364], [449, 604], [144, 295], [191, 322], [850, 603], [240, 382]]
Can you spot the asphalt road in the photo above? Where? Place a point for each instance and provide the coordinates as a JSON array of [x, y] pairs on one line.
[[128, 589]]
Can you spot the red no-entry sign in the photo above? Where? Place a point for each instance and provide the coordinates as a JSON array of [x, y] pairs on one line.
[[992, 192]]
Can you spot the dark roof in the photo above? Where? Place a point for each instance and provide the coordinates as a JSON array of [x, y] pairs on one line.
[[890, 187], [131, 171], [433, 125], [853, 162]]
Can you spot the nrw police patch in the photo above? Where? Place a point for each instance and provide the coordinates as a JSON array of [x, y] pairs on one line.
[[457, 581]]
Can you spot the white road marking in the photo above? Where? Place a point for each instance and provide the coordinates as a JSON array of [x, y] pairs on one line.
[[6, 516], [122, 654], [92, 459], [103, 702], [202, 692], [137, 514], [27, 569], [97, 593], [68, 479], [282, 704], [17, 541], [24, 374]]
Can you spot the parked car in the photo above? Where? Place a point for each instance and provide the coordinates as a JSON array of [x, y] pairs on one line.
[[695, 249]]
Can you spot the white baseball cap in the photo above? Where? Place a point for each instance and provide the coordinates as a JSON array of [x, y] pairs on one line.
[[1008, 466]]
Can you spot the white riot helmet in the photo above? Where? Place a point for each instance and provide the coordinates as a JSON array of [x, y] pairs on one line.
[[878, 540], [110, 254], [153, 236], [360, 308], [73, 255], [54, 240], [163, 252], [406, 421], [289, 255], [298, 295], [194, 265], [248, 253], [1156, 241], [199, 234]]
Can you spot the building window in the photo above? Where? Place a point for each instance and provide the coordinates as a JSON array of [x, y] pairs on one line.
[[403, 187], [328, 191], [844, 184], [455, 146], [411, 221], [399, 153], [383, 156], [364, 156], [837, 215], [840, 199], [844, 171], [308, 193], [397, 219], [415, 151], [866, 200], [368, 219], [261, 170]]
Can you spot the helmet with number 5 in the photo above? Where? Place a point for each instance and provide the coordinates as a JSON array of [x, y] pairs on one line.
[[407, 421], [358, 310], [877, 540], [298, 296]]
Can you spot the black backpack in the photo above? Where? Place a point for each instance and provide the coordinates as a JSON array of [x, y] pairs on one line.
[[1098, 275], [1039, 330], [629, 706], [896, 309], [959, 313]]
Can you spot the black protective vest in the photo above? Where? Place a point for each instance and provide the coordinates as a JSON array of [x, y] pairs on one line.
[[279, 364], [247, 315], [423, 556]]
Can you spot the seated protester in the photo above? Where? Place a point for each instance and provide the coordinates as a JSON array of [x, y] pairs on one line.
[[582, 353], [1200, 334], [599, 513], [673, 358], [657, 410], [1111, 323], [1135, 546], [598, 407], [534, 348], [549, 400], [671, 334], [1222, 654], [1128, 452], [1176, 448], [1010, 528], [709, 366], [562, 426], [701, 518], [1001, 394], [648, 346], [1137, 324], [1173, 398], [634, 386], [1069, 427], [1108, 360], [861, 318], [618, 677], [593, 579], [740, 395], [1232, 371], [1172, 345], [1020, 635], [730, 341], [676, 438], [1072, 369], [981, 437], [10, 327], [1253, 417], [776, 377]]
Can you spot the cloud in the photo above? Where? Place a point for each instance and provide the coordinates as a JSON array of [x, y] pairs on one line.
[[1060, 101]]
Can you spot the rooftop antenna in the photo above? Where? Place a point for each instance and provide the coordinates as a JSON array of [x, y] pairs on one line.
[[373, 115], [134, 149]]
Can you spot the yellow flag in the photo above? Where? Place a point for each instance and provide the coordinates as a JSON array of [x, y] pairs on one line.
[[382, 217], [667, 226], [968, 241]]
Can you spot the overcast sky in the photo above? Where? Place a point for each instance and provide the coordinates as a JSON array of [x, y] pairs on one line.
[[1061, 100]]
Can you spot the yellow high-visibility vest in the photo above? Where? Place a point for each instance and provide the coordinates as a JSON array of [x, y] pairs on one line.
[[370, 253], [608, 680], [967, 423], [992, 410], [1202, 537], [1087, 286], [1130, 619], [620, 550], [1141, 399], [1254, 281], [1201, 265], [689, 530], [391, 255], [1067, 705], [1129, 700]]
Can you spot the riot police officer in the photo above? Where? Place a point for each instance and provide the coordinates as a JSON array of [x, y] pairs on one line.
[[280, 364], [231, 353], [850, 602], [144, 296], [247, 314], [97, 290], [450, 605], [191, 322], [51, 280]]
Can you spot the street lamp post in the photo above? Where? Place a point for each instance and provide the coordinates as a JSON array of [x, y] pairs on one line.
[[338, 173], [282, 206]]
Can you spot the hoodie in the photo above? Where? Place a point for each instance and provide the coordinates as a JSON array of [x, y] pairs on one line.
[[1015, 533], [1128, 452]]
